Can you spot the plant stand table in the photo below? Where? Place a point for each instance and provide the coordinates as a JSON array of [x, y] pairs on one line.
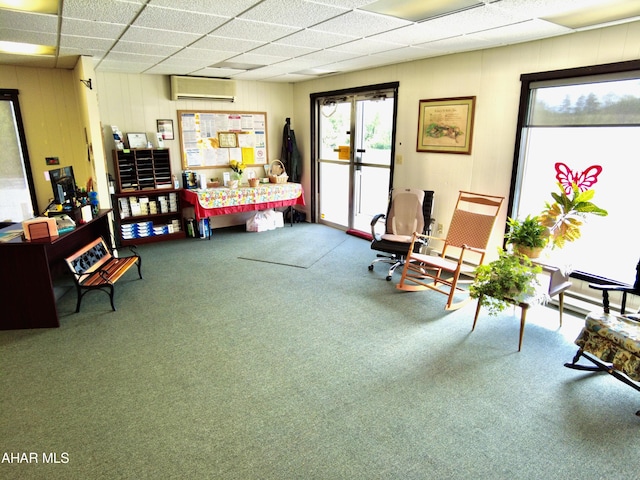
[[558, 284]]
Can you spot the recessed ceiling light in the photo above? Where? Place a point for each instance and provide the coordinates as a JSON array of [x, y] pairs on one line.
[[26, 48], [416, 11], [36, 6], [606, 11]]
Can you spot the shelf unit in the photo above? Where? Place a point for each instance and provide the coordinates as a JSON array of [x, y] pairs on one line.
[[145, 216], [142, 169], [146, 205]]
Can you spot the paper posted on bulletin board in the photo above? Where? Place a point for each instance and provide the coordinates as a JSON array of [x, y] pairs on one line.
[[215, 138]]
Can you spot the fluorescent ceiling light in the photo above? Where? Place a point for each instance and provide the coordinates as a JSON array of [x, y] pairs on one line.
[[601, 12], [35, 6], [236, 66], [416, 11], [26, 48]]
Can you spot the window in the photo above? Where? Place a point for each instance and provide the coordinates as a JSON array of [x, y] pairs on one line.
[[17, 194], [582, 118]]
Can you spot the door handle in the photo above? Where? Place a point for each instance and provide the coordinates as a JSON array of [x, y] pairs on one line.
[[360, 150]]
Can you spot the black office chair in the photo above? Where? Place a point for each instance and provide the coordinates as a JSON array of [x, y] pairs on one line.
[[409, 211]]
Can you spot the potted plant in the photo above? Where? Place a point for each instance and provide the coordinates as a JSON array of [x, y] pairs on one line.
[[564, 217], [507, 280], [528, 236]]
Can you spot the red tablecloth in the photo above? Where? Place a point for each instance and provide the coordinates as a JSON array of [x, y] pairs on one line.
[[224, 201]]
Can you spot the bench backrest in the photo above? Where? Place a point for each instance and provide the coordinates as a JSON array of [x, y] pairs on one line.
[[89, 258]]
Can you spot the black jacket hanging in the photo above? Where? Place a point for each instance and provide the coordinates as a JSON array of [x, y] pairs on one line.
[[290, 156]]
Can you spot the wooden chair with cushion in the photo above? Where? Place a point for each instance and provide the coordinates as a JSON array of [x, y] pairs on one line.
[[609, 341], [462, 250]]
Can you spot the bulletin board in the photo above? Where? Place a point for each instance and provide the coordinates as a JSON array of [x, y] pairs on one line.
[[214, 138]]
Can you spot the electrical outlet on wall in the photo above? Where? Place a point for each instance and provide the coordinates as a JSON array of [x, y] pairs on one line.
[[440, 228]]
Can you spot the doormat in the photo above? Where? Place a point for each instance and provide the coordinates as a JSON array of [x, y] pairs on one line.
[[360, 233], [299, 246]]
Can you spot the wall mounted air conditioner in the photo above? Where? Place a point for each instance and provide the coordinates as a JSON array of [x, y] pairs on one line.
[[202, 88]]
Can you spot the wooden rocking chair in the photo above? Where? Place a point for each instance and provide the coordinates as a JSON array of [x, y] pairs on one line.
[[462, 251]]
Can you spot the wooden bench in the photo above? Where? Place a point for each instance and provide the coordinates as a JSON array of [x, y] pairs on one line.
[[95, 268]]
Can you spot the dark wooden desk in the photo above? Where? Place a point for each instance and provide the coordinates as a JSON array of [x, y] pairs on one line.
[[27, 271]]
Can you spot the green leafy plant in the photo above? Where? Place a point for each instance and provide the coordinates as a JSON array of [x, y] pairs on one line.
[[508, 279], [528, 232], [564, 217]]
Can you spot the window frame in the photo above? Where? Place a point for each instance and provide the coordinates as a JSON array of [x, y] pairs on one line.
[[523, 113]]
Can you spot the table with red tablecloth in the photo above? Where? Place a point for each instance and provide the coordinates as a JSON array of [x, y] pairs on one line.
[[210, 202]]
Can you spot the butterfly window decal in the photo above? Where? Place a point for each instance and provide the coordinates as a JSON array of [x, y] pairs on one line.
[[584, 180]]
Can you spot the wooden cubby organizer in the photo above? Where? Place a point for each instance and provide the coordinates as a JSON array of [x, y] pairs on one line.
[[146, 206]]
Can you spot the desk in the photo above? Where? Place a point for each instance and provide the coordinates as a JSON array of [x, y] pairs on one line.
[[28, 269], [210, 202]]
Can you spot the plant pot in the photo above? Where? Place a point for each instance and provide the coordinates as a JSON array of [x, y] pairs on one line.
[[531, 252], [233, 183]]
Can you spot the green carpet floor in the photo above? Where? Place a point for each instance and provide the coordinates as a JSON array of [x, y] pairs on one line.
[[218, 367]]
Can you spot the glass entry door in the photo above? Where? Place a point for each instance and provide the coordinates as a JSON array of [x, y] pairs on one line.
[[355, 158]]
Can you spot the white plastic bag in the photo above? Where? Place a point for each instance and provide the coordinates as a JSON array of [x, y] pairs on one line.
[[260, 222]]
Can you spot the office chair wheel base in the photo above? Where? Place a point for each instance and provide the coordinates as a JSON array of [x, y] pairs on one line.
[[388, 278], [370, 268]]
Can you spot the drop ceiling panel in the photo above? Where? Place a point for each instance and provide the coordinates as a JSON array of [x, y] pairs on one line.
[[33, 22], [224, 44], [294, 13], [360, 24], [226, 8], [178, 20], [91, 29], [316, 39], [251, 30], [24, 36], [109, 11], [84, 43], [162, 37]]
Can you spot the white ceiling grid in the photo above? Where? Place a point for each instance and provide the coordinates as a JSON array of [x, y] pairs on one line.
[[277, 40]]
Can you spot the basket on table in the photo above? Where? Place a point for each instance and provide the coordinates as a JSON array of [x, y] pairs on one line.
[[277, 172]]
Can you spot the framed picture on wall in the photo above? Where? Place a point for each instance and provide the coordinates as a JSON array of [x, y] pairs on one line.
[[165, 128], [445, 125]]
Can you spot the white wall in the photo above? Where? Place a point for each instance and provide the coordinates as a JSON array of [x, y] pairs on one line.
[[135, 102], [493, 76]]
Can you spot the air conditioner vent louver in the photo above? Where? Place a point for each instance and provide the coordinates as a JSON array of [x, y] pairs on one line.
[[202, 88]]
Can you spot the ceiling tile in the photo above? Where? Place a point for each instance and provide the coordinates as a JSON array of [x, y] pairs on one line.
[[33, 22], [252, 30], [280, 50], [92, 29], [295, 13], [211, 42], [109, 11], [161, 37], [365, 46], [228, 8], [360, 24], [23, 36], [315, 39], [85, 43], [145, 48], [177, 20]]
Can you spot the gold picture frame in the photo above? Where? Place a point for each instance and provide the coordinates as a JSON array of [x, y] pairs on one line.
[[227, 140], [445, 125]]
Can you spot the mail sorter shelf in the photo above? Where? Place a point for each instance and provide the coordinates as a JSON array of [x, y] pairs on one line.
[[148, 216], [142, 169]]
